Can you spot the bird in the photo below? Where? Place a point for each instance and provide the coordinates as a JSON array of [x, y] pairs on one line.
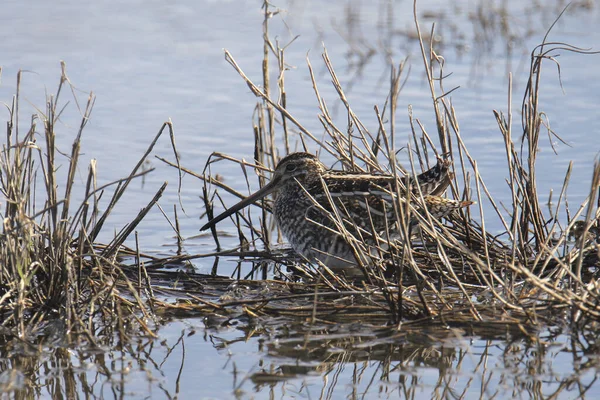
[[320, 210]]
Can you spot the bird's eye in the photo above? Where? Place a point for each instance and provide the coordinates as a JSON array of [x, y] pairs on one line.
[[290, 167]]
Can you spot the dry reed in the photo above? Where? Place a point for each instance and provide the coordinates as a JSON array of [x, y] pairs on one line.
[[523, 277], [51, 265]]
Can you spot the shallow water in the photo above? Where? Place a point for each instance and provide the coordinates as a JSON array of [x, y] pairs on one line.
[[191, 361], [148, 61]]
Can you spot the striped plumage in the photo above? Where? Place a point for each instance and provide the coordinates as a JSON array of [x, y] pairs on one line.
[[306, 190]]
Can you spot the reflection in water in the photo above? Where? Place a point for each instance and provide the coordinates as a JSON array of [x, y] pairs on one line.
[[320, 360], [72, 373], [487, 33], [438, 363]]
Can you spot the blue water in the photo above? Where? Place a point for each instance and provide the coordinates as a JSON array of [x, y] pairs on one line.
[[192, 362], [148, 62]]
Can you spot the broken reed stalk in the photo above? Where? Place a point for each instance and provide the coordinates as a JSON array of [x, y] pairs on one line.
[[50, 265]]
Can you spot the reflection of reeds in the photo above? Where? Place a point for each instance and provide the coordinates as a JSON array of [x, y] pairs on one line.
[[478, 32], [51, 266]]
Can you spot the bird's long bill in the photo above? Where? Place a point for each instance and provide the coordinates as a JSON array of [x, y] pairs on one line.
[[267, 189]]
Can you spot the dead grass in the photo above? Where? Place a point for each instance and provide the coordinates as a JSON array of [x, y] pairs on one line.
[[455, 279], [525, 276], [454, 272], [51, 265]]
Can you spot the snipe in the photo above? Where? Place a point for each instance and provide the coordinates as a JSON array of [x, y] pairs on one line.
[[309, 195]]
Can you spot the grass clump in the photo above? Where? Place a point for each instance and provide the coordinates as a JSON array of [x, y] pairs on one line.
[[522, 275], [54, 276]]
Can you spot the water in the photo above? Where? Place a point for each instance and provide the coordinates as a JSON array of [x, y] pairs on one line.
[[149, 61]]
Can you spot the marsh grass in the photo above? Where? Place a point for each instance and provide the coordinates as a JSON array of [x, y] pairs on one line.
[[454, 270], [452, 279], [56, 279]]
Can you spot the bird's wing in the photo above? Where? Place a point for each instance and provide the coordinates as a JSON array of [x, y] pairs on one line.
[[435, 180], [363, 202]]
